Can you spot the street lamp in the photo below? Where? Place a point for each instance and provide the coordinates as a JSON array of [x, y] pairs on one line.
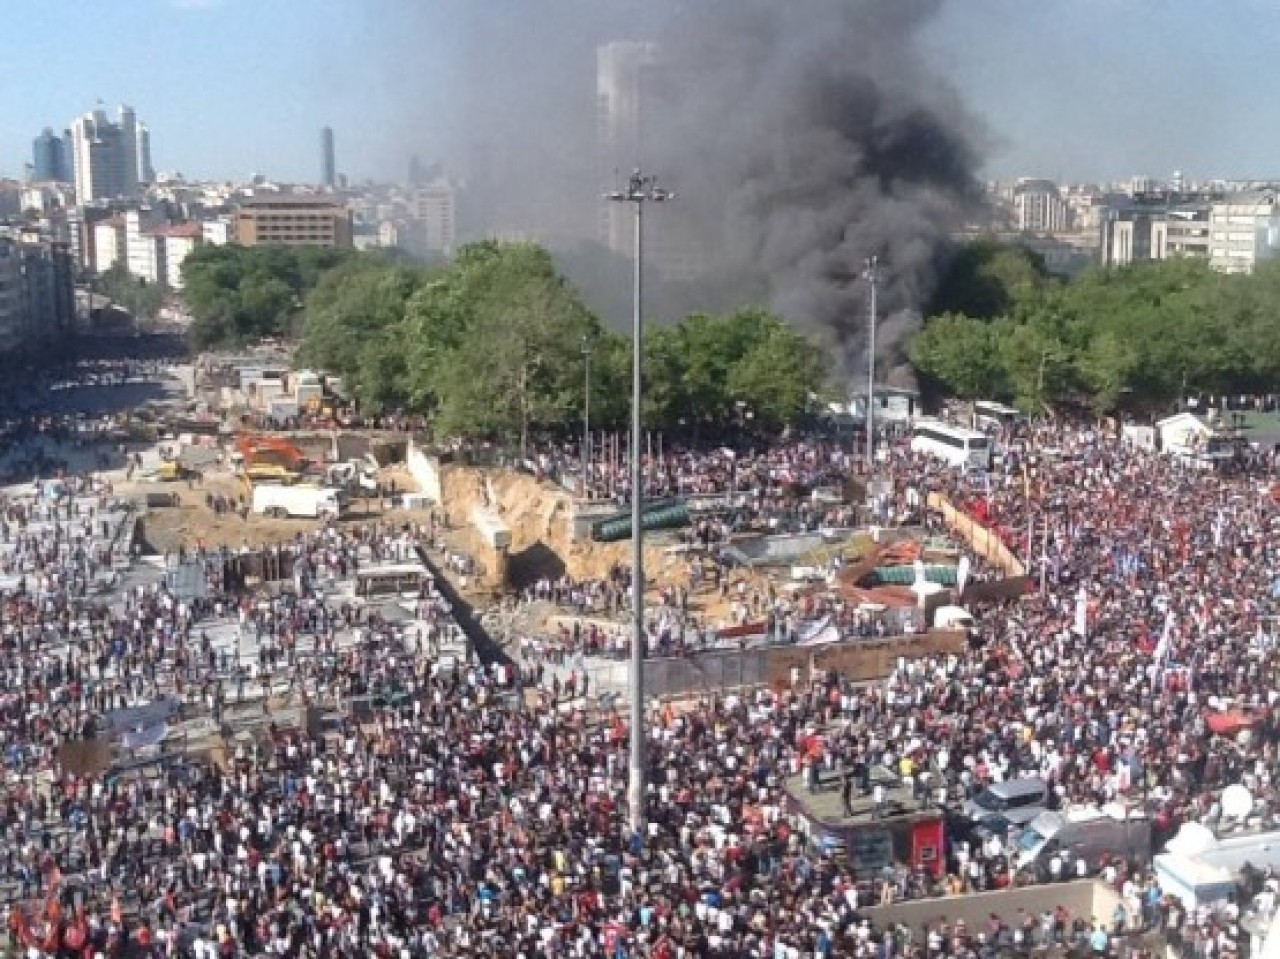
[[871, 273], [640, 190], [588, 346]]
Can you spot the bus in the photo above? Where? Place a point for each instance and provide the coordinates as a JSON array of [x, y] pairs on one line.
[[959, 447], [989, 415], [392, 579]]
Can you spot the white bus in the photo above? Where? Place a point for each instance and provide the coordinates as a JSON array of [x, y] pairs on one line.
[[967, 449], [988, 415]]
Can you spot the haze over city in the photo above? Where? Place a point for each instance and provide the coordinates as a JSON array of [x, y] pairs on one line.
[[1069, 89]]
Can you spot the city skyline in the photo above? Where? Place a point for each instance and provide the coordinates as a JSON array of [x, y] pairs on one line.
[[1102, 86]]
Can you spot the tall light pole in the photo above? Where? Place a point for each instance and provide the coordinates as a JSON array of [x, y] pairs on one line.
[[640, 190], [587, 347], [871, 273]]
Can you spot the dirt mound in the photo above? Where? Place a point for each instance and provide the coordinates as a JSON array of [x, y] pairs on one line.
[[539, 515]]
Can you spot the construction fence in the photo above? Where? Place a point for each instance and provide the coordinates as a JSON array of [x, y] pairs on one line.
[[980, 539], [861, 660]]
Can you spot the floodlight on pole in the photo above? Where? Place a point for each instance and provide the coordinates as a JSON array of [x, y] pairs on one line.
[[640, 191], [588, 346], [871, 273]]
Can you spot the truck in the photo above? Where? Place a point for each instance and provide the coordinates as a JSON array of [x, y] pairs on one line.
[[170, 471], [1091, 833], [311, 502]]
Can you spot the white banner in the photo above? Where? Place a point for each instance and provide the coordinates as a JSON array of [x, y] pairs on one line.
[[1081, 626]]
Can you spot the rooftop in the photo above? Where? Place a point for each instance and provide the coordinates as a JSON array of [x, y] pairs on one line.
[[290, 200]]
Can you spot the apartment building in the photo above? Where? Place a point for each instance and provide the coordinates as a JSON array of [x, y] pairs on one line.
[[1038, 207], [37, 293], [1155, 226], [1244, 230], [293, 221]]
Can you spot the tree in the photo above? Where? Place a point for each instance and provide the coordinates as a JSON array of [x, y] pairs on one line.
[[141, 299], [354, 326], [778, 375], [237, 294], [962, 353], [987, 279], [500, 349]]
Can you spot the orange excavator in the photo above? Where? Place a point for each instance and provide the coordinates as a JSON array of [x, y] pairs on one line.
[[270, 458]]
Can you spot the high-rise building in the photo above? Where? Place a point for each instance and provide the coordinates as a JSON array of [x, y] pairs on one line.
[[129, 144], [105, 156], [328, 158], [624, 73], [49, 158], [146, 172], [435, 209]]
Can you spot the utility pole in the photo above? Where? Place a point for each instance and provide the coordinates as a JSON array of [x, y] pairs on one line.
[[871, 273], [587, 347], [640, 190]]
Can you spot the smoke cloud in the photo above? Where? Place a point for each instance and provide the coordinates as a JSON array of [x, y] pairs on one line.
[[801, 138], [806, 137]]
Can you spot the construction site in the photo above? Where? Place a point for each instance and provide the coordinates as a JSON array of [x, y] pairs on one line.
[[256, 454]]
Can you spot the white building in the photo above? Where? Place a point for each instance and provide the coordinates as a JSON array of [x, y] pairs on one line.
[[1038, 207], [176, 242], [1244, 230], [109, 243], [217, 232], [435, 207], [144, 251]]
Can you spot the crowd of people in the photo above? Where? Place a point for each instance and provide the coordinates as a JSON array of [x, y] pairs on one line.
[[464, 810]]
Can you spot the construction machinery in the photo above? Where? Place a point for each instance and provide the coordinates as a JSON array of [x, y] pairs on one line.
[[269, 458]]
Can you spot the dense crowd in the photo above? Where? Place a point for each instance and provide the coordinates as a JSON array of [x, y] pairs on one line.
[[464, 812]]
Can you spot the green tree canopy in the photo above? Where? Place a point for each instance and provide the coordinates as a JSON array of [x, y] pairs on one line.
[[496, 345], [237, 293], [1145, 334]]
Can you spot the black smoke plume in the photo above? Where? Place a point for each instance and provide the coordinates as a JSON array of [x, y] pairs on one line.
[[806, 136], [801, 136]]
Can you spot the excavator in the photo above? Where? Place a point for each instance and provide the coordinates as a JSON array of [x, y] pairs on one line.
[[269, 458]]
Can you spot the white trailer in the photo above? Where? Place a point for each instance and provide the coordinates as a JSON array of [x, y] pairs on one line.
[[311, 502]]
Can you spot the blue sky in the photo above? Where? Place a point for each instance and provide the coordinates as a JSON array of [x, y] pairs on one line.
[[1067, 88]]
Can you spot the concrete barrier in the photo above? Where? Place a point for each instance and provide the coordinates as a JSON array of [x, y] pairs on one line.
[[1085, 899], [425, 470]]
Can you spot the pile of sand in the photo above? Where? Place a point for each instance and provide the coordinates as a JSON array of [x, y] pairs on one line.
[[539, 515]]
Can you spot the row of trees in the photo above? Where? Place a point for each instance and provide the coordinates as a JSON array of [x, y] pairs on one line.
[[1142, 336], [498, 344], [238, 294]]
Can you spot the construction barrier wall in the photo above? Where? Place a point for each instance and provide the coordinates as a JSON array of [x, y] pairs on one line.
[[425, 470], [858, 659], [980, 539]]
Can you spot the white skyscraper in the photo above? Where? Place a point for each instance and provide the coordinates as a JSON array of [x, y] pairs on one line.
[[105, 155], [624, 70]]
